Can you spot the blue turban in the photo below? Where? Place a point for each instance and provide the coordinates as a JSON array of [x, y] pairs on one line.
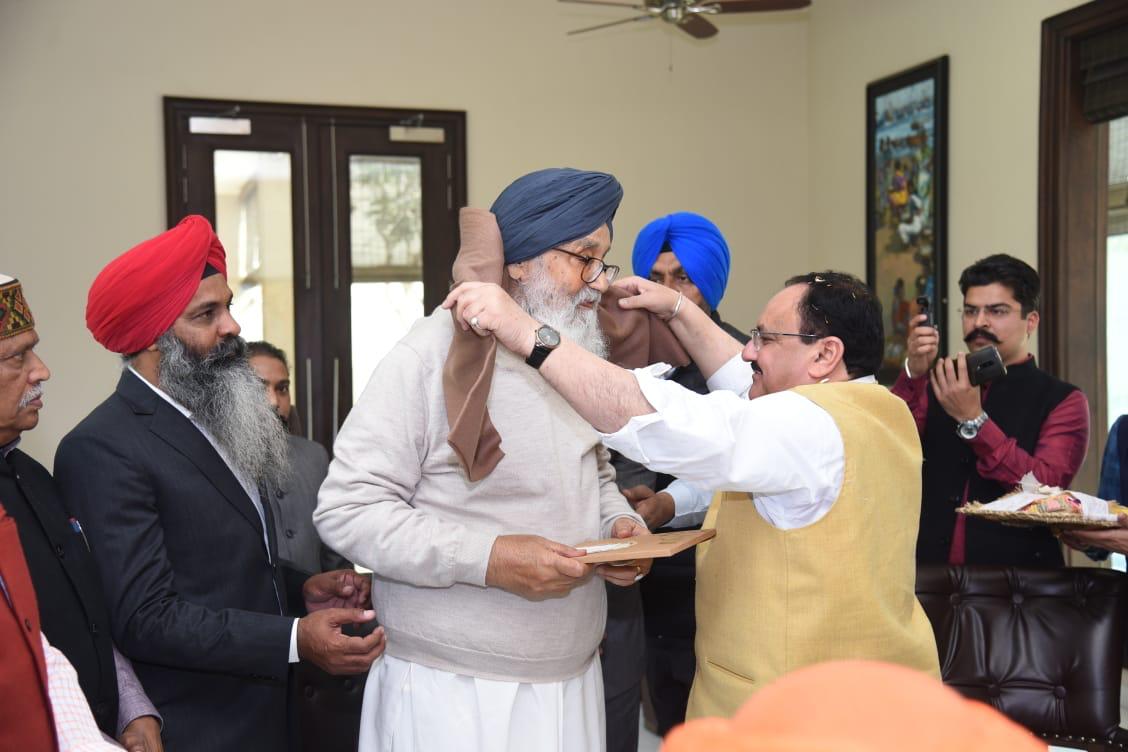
[[550, 207], [696, 242]]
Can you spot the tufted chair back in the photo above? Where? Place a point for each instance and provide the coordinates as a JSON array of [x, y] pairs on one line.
[[1043, 646]]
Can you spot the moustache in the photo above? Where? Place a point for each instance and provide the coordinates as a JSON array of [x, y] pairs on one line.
[[36, 392], [587, 295], [976, 333], [226, 351]]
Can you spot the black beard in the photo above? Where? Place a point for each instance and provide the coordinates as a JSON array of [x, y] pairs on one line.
[[225, 396]]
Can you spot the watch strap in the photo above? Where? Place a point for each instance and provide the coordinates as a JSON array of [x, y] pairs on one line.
[[537, 356]]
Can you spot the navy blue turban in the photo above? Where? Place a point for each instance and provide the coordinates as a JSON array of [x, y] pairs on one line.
[[699, 246], [550, 207]]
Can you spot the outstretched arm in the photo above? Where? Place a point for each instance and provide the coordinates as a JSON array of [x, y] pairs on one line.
[[709, 346], [605, 395]]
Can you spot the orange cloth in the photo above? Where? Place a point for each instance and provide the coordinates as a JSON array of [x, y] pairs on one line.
[[139, 294], [636, 337], [856, 706]]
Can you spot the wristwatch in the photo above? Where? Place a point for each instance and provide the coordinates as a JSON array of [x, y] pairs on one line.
[[547, 339], [969, 429]]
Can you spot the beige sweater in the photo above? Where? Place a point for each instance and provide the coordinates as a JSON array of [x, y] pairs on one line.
[[397, 502]]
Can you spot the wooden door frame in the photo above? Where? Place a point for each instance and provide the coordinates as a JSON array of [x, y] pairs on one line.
[[1072, 219], [315, 354]]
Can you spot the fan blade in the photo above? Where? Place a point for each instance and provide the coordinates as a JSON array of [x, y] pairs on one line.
[[755, 6], [601, 2], [647, 17], [696, 26]]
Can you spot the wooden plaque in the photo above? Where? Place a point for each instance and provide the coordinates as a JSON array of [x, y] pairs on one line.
[[651, 546]]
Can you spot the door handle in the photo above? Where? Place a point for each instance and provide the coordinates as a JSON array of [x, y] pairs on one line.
[[309, 397], [336, 395]]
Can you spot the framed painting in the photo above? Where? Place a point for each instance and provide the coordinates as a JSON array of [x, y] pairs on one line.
[[907, 201]]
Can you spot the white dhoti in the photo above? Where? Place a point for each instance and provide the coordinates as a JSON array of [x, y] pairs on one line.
[[413, 708]]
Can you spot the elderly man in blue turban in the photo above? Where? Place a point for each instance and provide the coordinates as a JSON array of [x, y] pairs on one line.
[[493, 627]]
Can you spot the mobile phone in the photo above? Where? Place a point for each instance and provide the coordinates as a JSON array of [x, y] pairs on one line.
[[984, 365], [924, 305]]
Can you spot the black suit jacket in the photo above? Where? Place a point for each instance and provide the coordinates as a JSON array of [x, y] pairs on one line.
[[195, 598], [72, 609]]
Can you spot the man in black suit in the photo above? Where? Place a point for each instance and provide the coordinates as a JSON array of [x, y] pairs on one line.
[[169, 474], [72, 608]]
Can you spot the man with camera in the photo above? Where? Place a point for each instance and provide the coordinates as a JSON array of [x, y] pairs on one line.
[[979, 439]]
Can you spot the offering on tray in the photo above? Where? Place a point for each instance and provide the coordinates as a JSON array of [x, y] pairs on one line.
[[1034, 503], [1062, 503]]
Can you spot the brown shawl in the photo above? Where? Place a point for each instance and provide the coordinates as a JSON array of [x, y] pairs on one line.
[[637, 339]]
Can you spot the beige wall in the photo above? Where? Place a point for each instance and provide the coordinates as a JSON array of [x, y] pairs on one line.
[[81, 139], [762, 128], [994, 74]]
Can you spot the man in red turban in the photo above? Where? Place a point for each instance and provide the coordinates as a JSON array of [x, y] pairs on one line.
[[139, 295], [169, 475]]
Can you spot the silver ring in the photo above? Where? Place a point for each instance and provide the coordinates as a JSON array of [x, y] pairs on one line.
[[474, 322]]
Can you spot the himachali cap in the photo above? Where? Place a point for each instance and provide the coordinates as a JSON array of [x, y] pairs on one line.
[[15, 316]]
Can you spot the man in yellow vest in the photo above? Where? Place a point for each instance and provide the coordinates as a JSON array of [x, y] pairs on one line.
[[814, 558]]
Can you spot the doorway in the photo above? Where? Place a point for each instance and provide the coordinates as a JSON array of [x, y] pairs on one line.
[[340, 224]]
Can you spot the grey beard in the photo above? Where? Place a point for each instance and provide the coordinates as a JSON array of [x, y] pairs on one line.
[[542, 299], [226, 397]]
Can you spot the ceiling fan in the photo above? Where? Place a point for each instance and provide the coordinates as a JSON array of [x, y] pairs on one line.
[[688, 15]]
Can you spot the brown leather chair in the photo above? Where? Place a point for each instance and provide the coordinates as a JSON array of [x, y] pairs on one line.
[[1043, 646]]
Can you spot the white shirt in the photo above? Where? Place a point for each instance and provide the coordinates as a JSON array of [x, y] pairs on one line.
[[782, 448], [250, 488]]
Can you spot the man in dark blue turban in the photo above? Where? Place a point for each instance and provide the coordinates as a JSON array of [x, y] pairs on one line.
[[493, 625]]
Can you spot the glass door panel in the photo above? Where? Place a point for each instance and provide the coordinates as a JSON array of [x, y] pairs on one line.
[[253, 218], [386, 252], [1116, 272]]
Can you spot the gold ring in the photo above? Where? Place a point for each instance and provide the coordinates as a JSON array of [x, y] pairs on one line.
[[638, 569]]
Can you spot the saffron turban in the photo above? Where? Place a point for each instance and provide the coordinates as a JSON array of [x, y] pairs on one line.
[[856, 706], [139, 295], [699, 246], [549, 207]]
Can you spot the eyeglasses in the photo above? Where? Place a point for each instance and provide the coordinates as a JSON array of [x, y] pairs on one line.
[[593, 267], [759, 338], [998, 311]]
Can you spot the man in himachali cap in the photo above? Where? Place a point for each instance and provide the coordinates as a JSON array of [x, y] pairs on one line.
[[494, 627], [170, 474], [107, 697]]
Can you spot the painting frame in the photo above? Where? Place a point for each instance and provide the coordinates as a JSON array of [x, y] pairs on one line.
[[907, 201]]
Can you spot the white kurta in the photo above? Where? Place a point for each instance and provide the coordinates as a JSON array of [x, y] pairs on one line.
[[412, 708], [726, 442]]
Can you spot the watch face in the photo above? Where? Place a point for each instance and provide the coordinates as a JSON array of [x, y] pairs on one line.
[[968, 432], [548, 336]]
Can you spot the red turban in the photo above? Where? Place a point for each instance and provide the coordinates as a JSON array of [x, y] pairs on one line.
[[139, 295]]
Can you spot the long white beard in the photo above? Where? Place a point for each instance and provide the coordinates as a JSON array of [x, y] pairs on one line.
[[226, 397], [543, 300]]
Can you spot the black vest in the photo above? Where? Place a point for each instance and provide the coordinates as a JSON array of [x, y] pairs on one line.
[[72, 608], [1019, 404]]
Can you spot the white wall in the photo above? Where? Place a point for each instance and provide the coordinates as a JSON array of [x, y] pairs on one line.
[[81, 141], [994, 78]]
